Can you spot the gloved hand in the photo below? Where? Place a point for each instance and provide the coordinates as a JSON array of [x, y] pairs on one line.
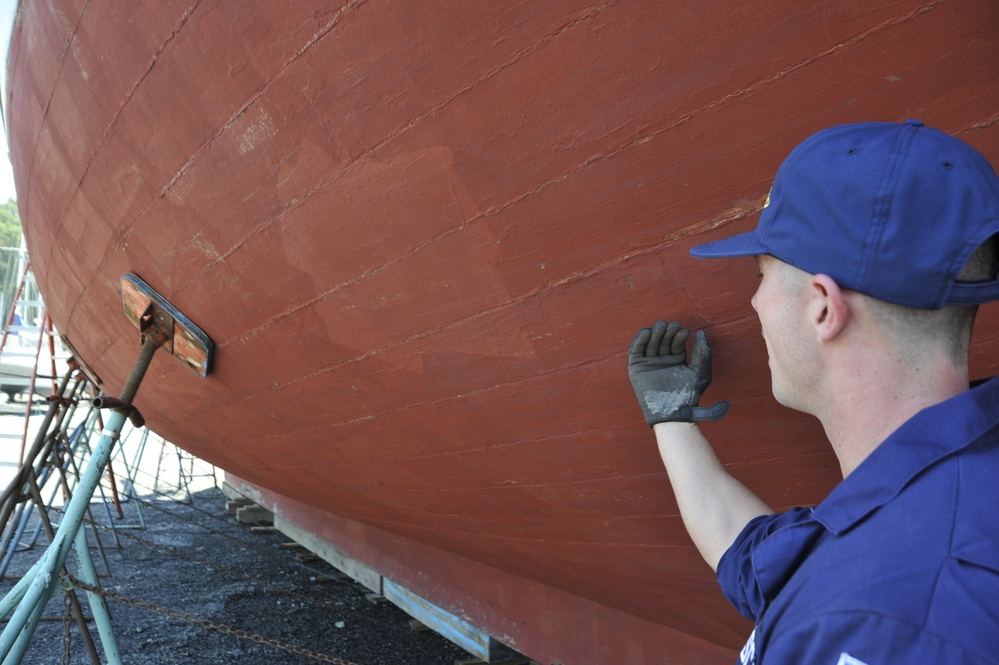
[[669, 389]]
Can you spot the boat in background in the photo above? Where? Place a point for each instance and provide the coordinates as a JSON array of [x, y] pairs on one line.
[[422, 236]]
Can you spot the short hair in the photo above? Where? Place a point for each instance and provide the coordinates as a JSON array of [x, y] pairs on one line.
[[951, 324]]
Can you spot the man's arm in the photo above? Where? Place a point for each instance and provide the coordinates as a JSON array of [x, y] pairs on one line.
[[714, 505]]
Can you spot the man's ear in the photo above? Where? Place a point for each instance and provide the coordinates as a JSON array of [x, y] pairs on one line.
[[828, 309]]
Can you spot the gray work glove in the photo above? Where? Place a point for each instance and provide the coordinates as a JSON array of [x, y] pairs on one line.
[[668, 388]]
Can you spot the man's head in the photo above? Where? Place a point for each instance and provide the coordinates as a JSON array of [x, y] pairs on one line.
[[894, 219]]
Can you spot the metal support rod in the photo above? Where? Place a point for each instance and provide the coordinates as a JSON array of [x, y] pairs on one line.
[[16, 594], [17, 635], [81, 620], [16, 532], [64, 478], [15, 488], [131, 471], [40, 460], [17, 296], [24, 515], [41, 467], [98, 605], [50, 333], [31, 387], [114, 491], [33, 614], [149, 346]]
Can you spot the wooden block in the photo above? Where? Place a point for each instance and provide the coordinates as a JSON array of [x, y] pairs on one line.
[[263, 529], [376, 598], [418, 626], [254, 514], [232, 506], [470, 638], [289, 546]]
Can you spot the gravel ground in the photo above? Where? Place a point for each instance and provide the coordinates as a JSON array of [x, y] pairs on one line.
[[198, 561]]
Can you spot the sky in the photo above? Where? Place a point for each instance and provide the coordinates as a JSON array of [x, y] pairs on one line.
[[7, 8]]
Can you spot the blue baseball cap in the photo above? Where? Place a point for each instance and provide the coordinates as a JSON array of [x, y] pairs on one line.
[[891, 210]]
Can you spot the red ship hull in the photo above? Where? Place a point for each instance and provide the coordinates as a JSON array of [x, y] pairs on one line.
[[422, 236]]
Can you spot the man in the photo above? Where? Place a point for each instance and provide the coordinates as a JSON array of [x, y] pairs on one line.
[[867, 318]]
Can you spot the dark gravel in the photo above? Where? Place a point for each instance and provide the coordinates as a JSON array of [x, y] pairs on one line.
[[197, 560]]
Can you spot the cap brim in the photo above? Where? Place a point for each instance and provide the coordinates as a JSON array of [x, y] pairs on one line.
[[744, 244]]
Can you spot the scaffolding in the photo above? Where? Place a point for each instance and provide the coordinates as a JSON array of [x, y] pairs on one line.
[[52, 455]]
